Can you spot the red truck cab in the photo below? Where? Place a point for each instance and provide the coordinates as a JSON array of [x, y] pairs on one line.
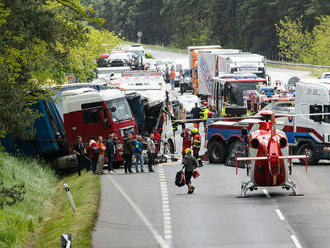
[[98, 113]]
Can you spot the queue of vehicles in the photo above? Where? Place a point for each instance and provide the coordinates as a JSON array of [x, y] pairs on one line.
[[125, 100]]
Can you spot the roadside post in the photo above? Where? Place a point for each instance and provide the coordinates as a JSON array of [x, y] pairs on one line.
[[66, 240], [139, 35], [67, 190]]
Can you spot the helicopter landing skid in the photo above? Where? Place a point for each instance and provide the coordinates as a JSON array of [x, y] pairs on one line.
[[245, 186], [292, 185]]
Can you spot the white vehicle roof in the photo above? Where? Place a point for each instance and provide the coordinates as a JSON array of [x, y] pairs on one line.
[[73, 103], [221, 51], [317, 82], [203, 47], [77, 91], [109, 70], [244, 57]]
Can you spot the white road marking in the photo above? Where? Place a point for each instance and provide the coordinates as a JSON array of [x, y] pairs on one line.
[[295, 241], [266, 193], [166, 206], [279, 213], [138, 211]]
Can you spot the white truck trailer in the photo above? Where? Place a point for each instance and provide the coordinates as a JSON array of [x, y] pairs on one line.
[[243, 63], [208, 67]]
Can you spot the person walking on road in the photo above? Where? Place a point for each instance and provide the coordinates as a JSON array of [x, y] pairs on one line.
[[186, 143], [80, 151], [151, 152], [167, 74], [182, 115], [189, 166], [100, 161], [128, 153], [111, 151], [196, 112], [172, 77], [181, 82], [138, 153]]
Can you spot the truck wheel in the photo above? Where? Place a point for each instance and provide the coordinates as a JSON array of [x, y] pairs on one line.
[[217, 152], [312, 160]]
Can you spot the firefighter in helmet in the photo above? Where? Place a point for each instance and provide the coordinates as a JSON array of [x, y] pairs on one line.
[[186, 143], [197, 142], [189, 166]]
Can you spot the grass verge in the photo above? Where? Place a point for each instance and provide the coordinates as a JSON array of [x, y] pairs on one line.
[[86, 191], [314, 72], [44, 212], [19, 220]]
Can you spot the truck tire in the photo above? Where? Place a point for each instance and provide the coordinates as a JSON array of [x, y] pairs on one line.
[[216, 152], [236, 110], [312, 160]]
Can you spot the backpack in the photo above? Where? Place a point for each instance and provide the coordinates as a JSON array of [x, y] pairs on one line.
[[180, 179], [96, 151]]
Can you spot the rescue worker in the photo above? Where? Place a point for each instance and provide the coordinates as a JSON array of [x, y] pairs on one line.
[[186, 136], [204, 113], [197, 141], [223, 110], [189, 166]]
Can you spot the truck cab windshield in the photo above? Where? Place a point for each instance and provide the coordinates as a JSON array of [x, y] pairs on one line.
[[122, 111], [234, 90]]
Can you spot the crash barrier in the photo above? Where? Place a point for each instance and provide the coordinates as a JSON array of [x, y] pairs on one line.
[[272, 62], [67, 190], [66, 240]]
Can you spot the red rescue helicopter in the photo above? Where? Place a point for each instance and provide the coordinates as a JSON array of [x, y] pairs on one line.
[[268, 161]]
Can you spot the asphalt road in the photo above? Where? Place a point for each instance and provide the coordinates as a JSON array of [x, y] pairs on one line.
[[148, 210]]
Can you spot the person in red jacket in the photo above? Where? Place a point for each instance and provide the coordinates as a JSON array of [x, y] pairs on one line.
[[186, 136], [93, 151], [157, 139]]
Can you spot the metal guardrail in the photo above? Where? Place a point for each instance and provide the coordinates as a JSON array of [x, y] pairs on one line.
[[272, 62]]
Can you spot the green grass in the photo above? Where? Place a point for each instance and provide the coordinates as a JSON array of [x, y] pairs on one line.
[[86, 194], [45, 212], [21, 219], [314, 72]]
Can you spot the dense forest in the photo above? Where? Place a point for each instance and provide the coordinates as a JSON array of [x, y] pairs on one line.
[[245, 24]]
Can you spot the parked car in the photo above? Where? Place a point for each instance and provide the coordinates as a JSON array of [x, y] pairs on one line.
[[325, 75]]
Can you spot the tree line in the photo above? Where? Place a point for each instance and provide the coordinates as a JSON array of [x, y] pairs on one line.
[[244, 24], [41, 41]]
